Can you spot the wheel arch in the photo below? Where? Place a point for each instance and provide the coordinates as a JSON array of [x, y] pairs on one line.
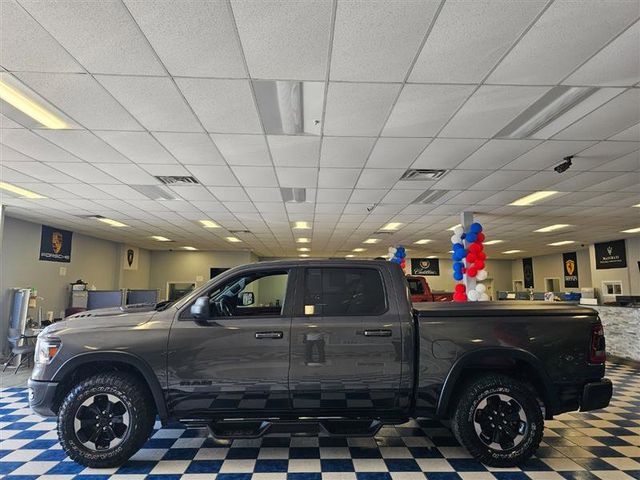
[[494, 359], [114, 360]]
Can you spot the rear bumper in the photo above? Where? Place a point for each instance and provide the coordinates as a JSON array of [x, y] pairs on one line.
[[41, 396], [596, 395]]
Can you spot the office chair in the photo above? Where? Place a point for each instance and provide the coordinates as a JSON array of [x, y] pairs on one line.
[[20, 345]]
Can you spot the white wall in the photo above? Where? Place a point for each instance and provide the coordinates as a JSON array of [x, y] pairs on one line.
[[550, 266]]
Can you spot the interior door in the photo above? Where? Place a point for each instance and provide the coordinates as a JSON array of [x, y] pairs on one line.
[[238, 358], [345, 344]]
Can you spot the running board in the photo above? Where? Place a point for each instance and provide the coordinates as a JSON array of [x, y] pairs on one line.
[[229, 429]]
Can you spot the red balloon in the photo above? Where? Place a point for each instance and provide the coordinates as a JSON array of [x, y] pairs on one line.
[[480, 237], [479, 264], [403, 263], [474, 248], [472, 271], [464, 270], [481, 256], [460, 288], [471, 258], [459, 297]]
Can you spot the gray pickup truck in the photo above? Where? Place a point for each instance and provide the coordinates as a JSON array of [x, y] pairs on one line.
[[332, 346]]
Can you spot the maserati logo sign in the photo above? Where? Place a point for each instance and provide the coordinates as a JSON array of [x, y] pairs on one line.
[[611, 255]]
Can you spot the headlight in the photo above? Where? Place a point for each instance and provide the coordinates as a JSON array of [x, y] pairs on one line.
[[46, 349]]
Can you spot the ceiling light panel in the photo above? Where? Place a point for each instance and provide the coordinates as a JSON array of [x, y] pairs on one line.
[[533, 198], [632, 230], [24, 193], [301, 225], [209, 224], [561, 243], [160, 238], [392, 226], [110, 222], [371, 240], [233, 239], [509, 252], [303, 240], [192, 249], [25, 103], [492, 242], [424, 241]]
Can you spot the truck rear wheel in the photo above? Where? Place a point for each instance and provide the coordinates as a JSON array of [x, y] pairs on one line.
[[105, 419], [498, 419]]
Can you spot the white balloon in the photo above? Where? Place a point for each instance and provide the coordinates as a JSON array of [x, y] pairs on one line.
[[458, 230], [481, 275], [472, 296], [392, 251], [484, 298], [481, 288], [456, 239]]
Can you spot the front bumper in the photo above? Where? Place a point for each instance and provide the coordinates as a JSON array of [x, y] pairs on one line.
[[596, 395], [41, 397]]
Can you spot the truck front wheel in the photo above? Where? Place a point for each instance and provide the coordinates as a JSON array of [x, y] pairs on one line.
[[105, 419], [498, 419]]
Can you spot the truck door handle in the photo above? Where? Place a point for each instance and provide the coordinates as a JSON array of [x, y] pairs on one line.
[[261, 335], [377, 333]]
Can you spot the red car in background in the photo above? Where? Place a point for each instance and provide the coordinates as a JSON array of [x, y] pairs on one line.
[[421, 292]]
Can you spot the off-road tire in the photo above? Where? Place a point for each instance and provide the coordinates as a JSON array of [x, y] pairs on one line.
[[463, 426], [134, 396]]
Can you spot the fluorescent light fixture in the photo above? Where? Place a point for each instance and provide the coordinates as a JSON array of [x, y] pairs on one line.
[[371, 240], [303, 240], [359, 249], [450, 251], [303, 255], [533, 198], [632, 230], [422, 242], [109, 221], [392, 226], [509, 252], [233, 239], [451, 229], [160, 238], [304, 249], [551, 106], [209, 224], [191, 249], [493, 242], [563, 242], [552, 228], [301, 226], [637, 206], [29, 107], [20, 191], [349, 256], [432, 256]]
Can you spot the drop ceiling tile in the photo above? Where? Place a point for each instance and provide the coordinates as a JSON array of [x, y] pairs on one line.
[[89, 192], [230, 194], [14, 176], [8, 154], [396, 152], [139, 147], [630, 134], [284, 38], [615, 116], [367, 196], [581, 181], [213, 175], [270, 208], [470, 197], [627, 163], [378, 40], [250, 176], [211, 49], [489, 109], [297, 177], [422, 110], [49, 191], [86, 172], [191, 148], [401, 197], [243, 149], [333, 197], [547, 154], [193, 192], [84, 145], [154, 101], [129, 174], [446, 153], [338, 177], [469, 38], [102, 36], [264, 194], [28, 46], [585, 28], [82, 98], [6, 122], [358, 108], [617, 64], [601, 153], [496, 153], [164, 169], [500, 180], [223, 106], [616, 185], [460, 179], [378, 178], [345, 151], [28, 143], [294, 150]]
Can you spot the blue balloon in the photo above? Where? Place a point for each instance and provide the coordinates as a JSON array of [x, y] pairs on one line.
[[471, 237], [458, 246], [396, 260], [475, 228], [458, 266], [463, 254], [457, 276]]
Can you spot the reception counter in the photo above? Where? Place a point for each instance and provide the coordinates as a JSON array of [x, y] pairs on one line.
[[622, 331]]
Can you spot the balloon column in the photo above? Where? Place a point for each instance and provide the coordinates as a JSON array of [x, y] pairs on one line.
[[469, 261], [398, 255]]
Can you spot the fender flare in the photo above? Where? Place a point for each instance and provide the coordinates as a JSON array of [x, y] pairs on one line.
[[120, 357], [468, 359]]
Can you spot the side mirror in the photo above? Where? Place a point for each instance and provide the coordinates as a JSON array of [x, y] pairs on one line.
[[248, 299], [200, 308]]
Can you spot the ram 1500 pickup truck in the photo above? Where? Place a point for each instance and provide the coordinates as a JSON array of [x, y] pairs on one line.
[[331, 346]]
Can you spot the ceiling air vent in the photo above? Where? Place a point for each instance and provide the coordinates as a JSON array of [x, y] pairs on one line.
[[423, 174], [383, 232], [430, 196], [177, 180], [293, 195], [239, 231]]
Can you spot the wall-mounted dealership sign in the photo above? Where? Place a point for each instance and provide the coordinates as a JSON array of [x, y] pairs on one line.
[[570, 267], [130, 258], [527, 270], [611, 255], [55, 245], [425, 266]]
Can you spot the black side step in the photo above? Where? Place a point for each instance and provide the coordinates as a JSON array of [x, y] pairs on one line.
[[229, 429]]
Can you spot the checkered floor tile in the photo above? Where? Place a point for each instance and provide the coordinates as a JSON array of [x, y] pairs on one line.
[[577, 446]]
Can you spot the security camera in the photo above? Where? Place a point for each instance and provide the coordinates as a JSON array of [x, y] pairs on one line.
[[564, 166]]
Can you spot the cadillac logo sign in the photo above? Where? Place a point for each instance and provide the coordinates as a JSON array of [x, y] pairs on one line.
[[55, 245], [570, 263], [425, 266], [611, 255]]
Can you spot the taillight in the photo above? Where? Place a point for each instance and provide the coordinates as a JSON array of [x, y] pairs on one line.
[[597, 352]]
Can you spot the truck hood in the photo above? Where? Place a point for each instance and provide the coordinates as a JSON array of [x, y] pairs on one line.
[[103, 318]]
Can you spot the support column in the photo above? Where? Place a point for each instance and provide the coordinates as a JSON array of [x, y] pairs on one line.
[[466, 219], [4, 300]]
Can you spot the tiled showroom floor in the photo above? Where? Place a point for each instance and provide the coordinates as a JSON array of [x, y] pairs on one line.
[[581, 446]]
